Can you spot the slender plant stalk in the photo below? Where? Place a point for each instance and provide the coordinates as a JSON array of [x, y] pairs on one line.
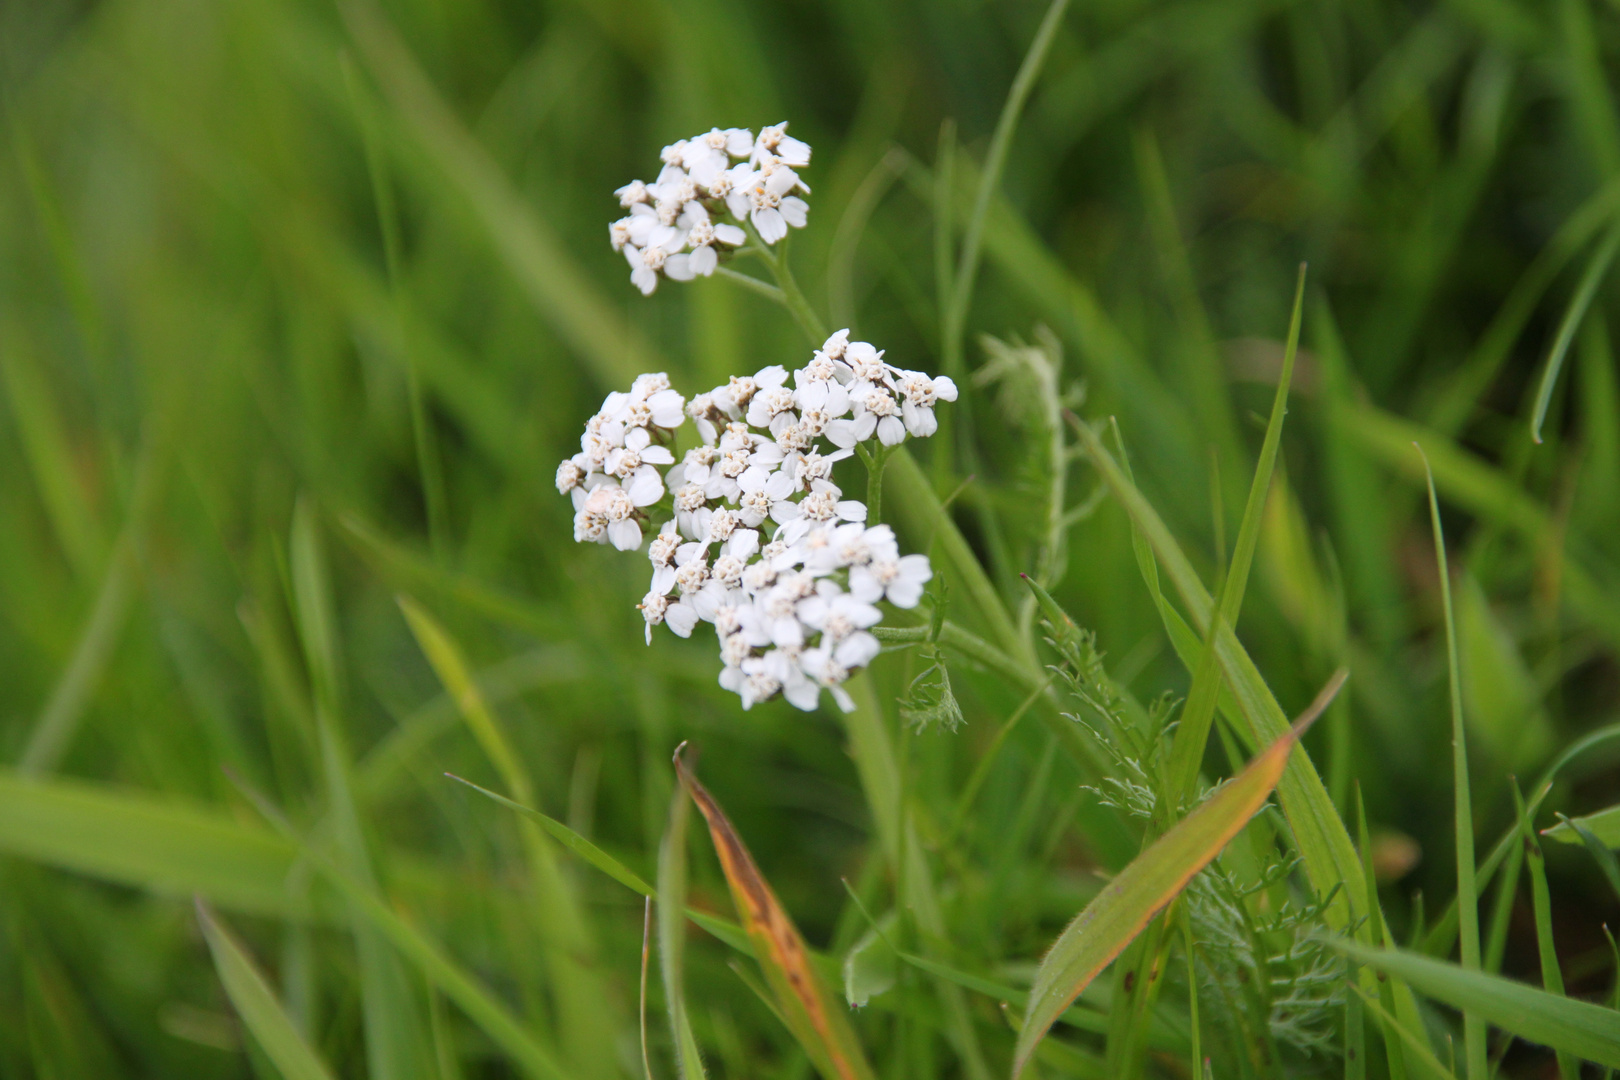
[[1467, 897], [955, 317]]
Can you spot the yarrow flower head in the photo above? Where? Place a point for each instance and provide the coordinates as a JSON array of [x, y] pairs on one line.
[[749, 531], [672, 228]]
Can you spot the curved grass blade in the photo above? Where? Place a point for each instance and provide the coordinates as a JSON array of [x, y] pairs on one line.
[[1604, 824], [1590, 280], [672, 935], [1187, 751], [570, 839], [814, 1015], [162, 845], [1600, 853], [1113, 919], [1467, 896], [1578, 1027], [727, 931], [257, 1005], [1552, 976]]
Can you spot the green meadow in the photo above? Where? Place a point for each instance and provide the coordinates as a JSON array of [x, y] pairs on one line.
[[1285, 339]]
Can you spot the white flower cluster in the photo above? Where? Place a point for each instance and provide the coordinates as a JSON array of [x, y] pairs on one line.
[[671, 229], [793, 610]]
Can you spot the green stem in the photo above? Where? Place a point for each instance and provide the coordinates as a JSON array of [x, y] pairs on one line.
[[752, 284], [874, 460], [792, 296]]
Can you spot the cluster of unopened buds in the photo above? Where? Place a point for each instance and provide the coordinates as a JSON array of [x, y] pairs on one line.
[[671, 228], [793, 608]]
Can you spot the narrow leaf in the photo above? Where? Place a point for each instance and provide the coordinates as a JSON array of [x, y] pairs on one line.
[[814, 1015], [1119, 912], [159, 844], [257, 1005], [1552, 976], [1585, 1030], [1467, 898], [1187, 751], [1604, 824], [570, 839], [1591, 278], [672, 935]]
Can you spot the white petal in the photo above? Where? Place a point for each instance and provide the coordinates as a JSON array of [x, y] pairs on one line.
[[681, 618], [743, 544], [863, 586], [851, 510], [787, 632], [855, 651], [767, 377], [767, 454], [657, 455], [890, 431], [769, 223], [625, 535], [702, 262], [679, 267], [730, 235], [779, 486], [802, 694], [841, 696], [793, 151], [813, 396], [636, 439], [663, 580], [781, 182], [944, 388], [865, 424], [920, 420], [905, 594], [646, 488], [794, 210], [737, 203], [644, 279], [841, 433]]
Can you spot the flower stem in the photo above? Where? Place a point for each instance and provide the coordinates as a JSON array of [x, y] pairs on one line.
[[791, 296], [874, 460]]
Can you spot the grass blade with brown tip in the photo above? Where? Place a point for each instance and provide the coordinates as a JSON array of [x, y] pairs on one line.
[[814, 1015], [1113, 919]]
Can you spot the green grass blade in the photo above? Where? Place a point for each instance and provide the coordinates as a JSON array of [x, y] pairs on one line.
[[1118, 913], [393, 1015], [168, 847], [1600, 854], [537, 257], [570, 839], [672, 935], [1419, 1050], [1603, 824], [967, 269], [59, 720], [585, 1022], [49, 453], [816, 1016], [451, 667], [1596, 268], [257, 1005], [1467, 897], [1552, 978], [1324, 844], [1581, 1028], [438, 967], [1187, 751], [724, 929]]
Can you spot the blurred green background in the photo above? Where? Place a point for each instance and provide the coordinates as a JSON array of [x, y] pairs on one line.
[[241, 243]]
